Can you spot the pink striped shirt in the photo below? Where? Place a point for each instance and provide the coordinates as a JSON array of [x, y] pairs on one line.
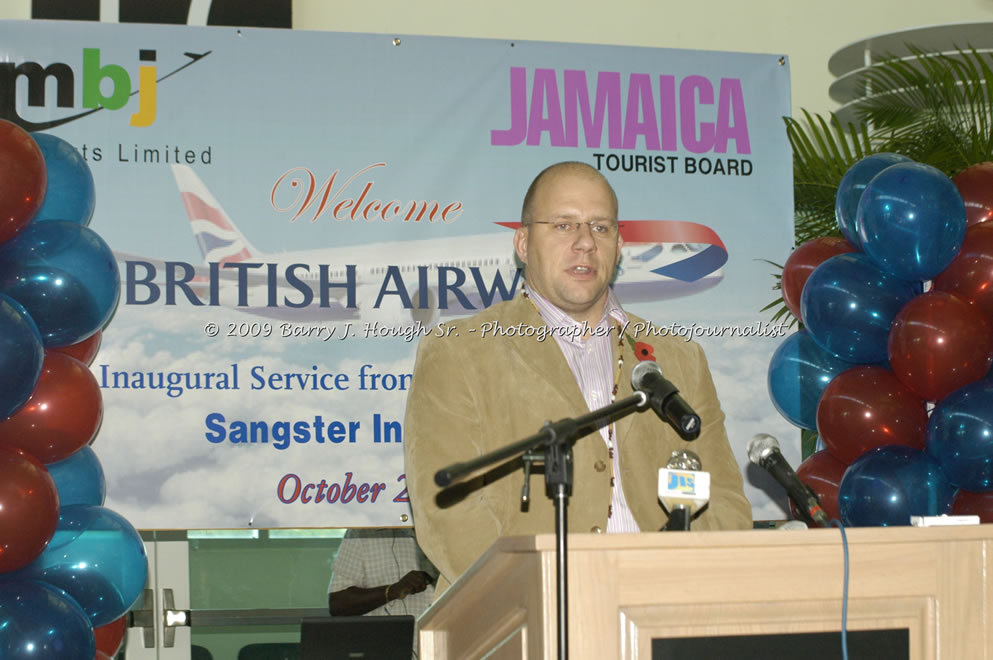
[[591, 360]]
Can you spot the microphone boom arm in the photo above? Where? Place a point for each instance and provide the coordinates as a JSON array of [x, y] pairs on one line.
[[564, 430]]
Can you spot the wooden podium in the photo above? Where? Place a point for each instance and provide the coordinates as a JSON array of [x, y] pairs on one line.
[[626, 589]]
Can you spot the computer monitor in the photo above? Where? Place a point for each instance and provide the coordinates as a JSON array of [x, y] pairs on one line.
[[357, 638]]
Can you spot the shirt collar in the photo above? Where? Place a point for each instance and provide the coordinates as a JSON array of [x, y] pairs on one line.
[[556, 318]]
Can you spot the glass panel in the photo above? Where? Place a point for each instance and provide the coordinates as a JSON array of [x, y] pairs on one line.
[[258, 569], [253, 569]]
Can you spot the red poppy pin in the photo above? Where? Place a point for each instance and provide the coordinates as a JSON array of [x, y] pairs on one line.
[[642, 350]]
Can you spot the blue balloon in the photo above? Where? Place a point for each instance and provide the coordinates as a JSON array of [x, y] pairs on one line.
[[41, 622], [70, 194], [911, 220], [852, 186], [798, 373], [848, 304], [66, 277], [98, 558], [887, 485], [79, 478], [21, 356], [960, 436]]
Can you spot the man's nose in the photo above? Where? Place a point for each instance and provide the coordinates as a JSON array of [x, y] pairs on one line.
[[584, 236]]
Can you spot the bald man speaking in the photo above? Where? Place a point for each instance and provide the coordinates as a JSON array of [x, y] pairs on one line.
[[474, 392]]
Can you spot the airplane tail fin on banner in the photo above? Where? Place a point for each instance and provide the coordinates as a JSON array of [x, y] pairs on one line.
[[217, 236]]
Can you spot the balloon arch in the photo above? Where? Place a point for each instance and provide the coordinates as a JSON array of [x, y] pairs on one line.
[[70, 568], [892, 366]]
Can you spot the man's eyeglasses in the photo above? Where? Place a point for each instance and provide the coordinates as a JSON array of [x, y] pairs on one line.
[[598, 228]]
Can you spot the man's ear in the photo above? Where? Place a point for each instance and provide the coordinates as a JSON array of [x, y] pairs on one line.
[[521, 244]]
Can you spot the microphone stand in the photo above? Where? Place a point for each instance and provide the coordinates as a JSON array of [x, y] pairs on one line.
[[557, 439], [679, 520]]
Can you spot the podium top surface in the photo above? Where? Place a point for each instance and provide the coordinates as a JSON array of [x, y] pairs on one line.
[[749, 538]]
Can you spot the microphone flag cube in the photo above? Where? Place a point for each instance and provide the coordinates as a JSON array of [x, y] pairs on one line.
[[688, 489]]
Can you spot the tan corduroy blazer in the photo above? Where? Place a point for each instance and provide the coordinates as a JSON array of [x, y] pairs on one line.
[[472, 394]]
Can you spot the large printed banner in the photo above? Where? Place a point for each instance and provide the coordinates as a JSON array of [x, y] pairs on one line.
[[292, 211]]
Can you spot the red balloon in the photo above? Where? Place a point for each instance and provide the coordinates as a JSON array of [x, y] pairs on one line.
[[970, 275], [802, 262], [85, 350], [969, 503], [110, 636], [100, 655], [939, 343], [975, 184], [23, 179], [822, 472], [62, 415], [867, 407], [29, 509]]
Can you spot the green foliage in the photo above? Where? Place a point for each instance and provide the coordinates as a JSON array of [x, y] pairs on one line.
[[808, 443], [823, 150], [935, 109]]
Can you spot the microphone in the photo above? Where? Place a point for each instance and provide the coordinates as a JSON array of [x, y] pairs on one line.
[[763, 450], [793, 524], [683, 489], [664, 399]]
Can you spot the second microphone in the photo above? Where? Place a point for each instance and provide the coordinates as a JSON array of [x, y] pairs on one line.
[[664, 399]]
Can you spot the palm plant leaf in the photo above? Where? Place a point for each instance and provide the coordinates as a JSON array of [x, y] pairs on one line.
[[935, 108], [823, 150]]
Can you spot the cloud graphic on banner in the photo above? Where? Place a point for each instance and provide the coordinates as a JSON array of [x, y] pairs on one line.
[[739, 366]]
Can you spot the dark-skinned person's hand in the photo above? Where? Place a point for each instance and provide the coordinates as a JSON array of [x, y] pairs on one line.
[[413, 582]]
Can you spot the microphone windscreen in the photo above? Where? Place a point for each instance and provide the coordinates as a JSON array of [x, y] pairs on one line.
[[683, 459], [760, 446], [642, 370]]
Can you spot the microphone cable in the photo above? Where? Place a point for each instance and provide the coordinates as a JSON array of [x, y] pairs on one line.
[[844, 590]]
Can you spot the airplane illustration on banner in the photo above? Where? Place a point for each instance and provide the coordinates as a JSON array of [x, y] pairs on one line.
[[397, 282]]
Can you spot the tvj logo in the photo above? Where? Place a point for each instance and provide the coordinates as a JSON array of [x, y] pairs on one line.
[[104, 86], [637, 111]]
